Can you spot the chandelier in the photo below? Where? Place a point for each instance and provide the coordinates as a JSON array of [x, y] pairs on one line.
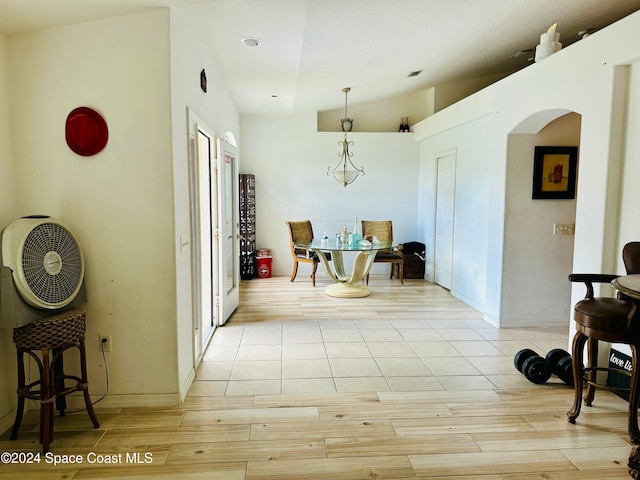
[[345, 172]]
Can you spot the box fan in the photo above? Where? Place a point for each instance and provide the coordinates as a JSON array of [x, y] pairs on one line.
[[41, 270]]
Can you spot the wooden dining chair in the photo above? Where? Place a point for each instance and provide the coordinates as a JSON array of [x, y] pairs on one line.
[[383, 231], [302, 232]]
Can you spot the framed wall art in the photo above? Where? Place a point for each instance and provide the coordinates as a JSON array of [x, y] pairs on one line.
[[554, 172]]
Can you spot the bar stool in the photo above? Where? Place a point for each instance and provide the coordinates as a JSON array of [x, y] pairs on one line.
[[612, 320], [50, 337]]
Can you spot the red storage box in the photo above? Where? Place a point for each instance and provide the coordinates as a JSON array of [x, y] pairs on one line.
[[263, 267]]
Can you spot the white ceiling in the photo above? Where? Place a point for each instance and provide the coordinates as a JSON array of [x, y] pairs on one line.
[[311, 49]]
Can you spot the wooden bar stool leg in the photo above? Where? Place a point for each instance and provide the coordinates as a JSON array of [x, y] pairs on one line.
[[85, 384], [577, 351], [46, 403], [592, 356], [21, 386], [634, 394], [58, 380]]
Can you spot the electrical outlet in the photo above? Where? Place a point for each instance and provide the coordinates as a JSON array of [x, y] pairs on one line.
[[105, 343], [564, 228]]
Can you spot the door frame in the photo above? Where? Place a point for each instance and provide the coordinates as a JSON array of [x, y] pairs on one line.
[[201, 335], [437, 157], [228, 228]]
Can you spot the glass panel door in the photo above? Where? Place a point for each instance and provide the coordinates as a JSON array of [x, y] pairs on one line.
[[204, 219], [228, 221]]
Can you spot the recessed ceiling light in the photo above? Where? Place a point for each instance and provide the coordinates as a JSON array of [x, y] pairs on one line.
[[251, 41]]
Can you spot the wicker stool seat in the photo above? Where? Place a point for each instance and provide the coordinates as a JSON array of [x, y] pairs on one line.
[[50, 337]]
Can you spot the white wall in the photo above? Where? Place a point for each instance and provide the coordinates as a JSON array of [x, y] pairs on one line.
[[584, 78], [290, 160], [189, 55], [630, 193], [470, 143], [385, 115], [450, 93], [119, 203], [535, 288], [8, 200], [129, 204], [381, 116], [7, 187]]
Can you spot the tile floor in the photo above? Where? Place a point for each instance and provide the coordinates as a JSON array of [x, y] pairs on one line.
[[325, 356]]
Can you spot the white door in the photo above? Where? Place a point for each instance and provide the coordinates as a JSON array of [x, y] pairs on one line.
[[204, 219], [445, 198], [228, 220]]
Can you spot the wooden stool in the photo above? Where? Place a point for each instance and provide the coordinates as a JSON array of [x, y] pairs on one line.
[[612, 320], [51, 336]]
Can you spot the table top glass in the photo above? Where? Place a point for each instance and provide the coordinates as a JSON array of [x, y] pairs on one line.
[[628, 284], [333, 245]]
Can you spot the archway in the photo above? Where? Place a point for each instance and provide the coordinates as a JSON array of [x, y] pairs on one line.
[[536, 259]]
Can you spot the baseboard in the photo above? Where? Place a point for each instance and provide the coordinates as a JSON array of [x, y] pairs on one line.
[[6, 422], [184, 390], [494, 322], [76, 401], [532, 322], [473, 304]]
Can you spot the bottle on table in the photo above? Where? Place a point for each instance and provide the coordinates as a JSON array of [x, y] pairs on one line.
[[344, 237]]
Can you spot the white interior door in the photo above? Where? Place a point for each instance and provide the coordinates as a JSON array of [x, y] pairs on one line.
[[228, 221], [204, 219], [445, 200]]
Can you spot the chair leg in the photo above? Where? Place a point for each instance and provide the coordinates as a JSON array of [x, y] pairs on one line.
[[85, 384], [58, 381], [313, 273], [21, 386], [634, 394], [577, 352], [592, 357], [46, 403], [400, 272], [295, 270]]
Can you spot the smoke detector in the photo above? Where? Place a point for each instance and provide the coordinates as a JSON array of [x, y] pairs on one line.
[[251, 41]]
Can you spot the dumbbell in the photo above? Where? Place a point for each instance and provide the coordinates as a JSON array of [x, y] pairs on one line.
[[535, 368], [561, 365]]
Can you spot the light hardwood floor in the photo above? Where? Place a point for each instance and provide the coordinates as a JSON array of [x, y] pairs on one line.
[[406, 383]]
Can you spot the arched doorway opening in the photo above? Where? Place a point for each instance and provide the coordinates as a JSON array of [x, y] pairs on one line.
[[537, 256]]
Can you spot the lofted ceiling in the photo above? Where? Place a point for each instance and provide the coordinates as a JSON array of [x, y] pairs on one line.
[[311, 49]]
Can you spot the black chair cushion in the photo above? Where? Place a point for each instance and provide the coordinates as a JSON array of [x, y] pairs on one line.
[[387, 256], [312, 255]]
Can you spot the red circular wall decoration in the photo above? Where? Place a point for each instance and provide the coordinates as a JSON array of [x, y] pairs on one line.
[[86, 131]]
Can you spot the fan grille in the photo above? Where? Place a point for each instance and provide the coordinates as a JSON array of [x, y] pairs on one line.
[[51, 263]]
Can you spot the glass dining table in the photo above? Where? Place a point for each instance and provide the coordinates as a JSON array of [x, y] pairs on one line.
[[347, 286], [629, 285]]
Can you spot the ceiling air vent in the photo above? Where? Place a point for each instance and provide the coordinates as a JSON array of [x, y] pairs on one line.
[[415, 73]]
